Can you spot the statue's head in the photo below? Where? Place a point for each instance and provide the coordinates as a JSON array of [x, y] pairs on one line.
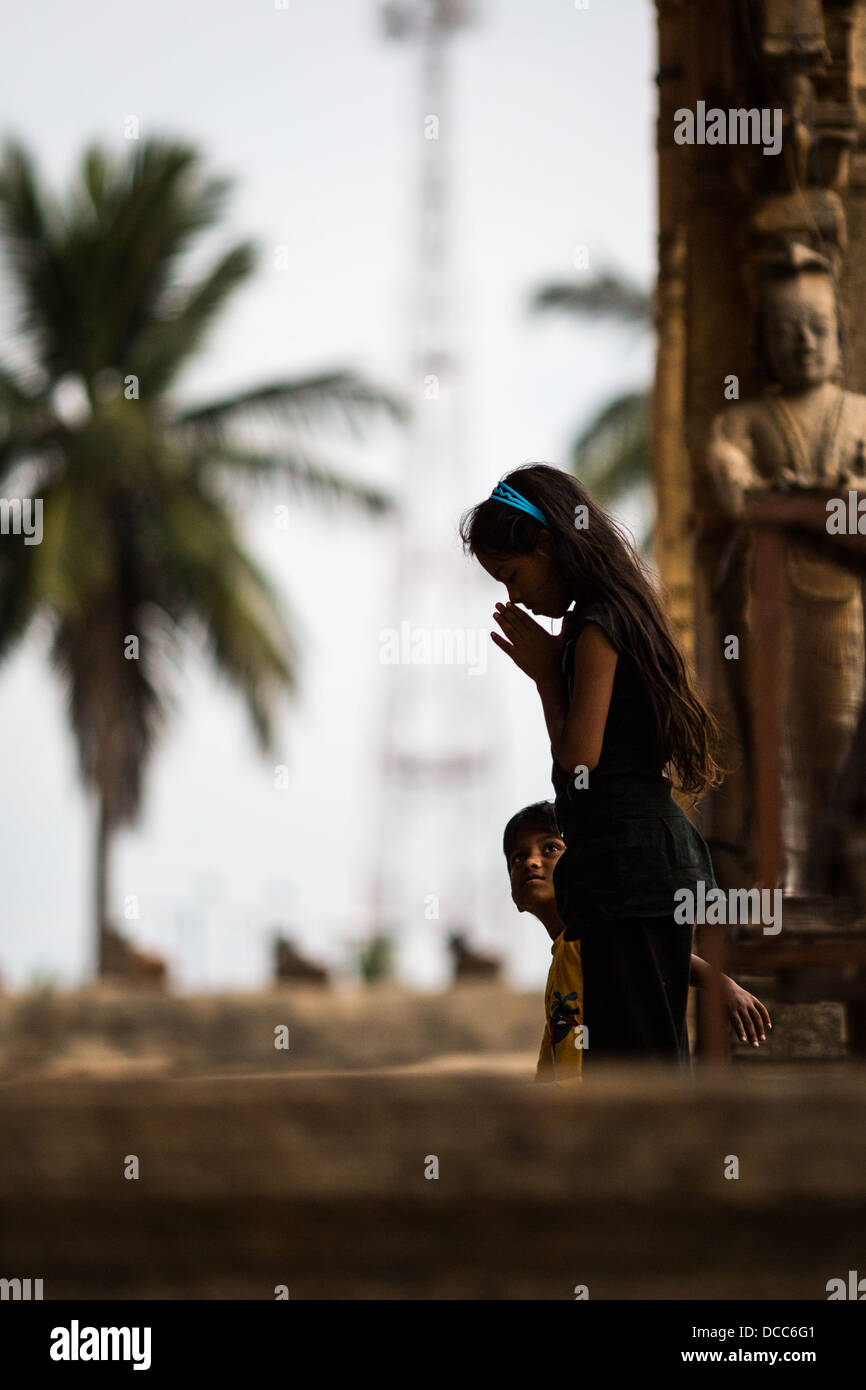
[[800, 320]]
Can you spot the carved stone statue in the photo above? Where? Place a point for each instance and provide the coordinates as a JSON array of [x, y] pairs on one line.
[[804, 431]]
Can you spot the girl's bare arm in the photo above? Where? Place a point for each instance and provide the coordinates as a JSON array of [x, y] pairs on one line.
[[577, 729], [749, 1017]]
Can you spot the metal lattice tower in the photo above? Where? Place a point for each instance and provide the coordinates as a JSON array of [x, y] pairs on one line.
[[437, 762]]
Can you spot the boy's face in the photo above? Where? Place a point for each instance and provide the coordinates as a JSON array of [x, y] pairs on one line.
[[534, 854]]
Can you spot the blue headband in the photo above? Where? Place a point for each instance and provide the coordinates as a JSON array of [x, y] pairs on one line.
[[503, 493]]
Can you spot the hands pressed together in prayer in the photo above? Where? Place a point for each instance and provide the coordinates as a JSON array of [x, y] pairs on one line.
[[538, 653]]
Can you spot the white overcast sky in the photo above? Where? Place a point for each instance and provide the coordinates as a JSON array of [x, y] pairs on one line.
[[315, 116]]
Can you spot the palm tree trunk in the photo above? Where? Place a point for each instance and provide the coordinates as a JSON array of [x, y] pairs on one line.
[[100, 884]]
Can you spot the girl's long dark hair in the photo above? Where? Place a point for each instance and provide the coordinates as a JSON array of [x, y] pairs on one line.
[[599, 562]]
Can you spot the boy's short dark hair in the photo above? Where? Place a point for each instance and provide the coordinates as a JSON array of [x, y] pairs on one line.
[[541, 815]]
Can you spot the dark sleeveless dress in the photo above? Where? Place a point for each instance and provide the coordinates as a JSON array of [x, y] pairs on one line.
[[629, 847]]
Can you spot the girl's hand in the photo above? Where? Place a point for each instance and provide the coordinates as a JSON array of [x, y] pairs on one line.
[[749, 1017], [537, 652]]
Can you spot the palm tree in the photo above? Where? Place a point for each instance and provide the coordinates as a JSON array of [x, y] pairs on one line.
[[612, 452], [142, 549]]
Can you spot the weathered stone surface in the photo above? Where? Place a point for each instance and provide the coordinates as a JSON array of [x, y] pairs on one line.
[[104, 1034], [318, 1183], [95, 1032]]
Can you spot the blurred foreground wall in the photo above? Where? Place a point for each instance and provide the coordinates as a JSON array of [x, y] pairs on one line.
[[320, 1184]]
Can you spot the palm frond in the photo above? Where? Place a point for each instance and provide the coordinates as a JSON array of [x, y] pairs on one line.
[[207, 580], [308, 477], [329, 400], [135, 220], [612, 453], [30, 234], [28, 426], [20, 596], [90, 279], [608, 294], [165, 344]]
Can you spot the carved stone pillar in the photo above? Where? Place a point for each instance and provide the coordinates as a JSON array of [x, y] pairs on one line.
[[672, 549], [722, 209]]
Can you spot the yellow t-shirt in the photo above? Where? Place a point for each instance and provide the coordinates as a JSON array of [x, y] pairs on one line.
[[560, 1057]]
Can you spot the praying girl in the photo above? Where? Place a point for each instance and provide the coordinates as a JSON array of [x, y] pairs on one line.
[[626, 725]]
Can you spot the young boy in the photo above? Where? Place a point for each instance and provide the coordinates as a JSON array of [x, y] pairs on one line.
[[532, 844]]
